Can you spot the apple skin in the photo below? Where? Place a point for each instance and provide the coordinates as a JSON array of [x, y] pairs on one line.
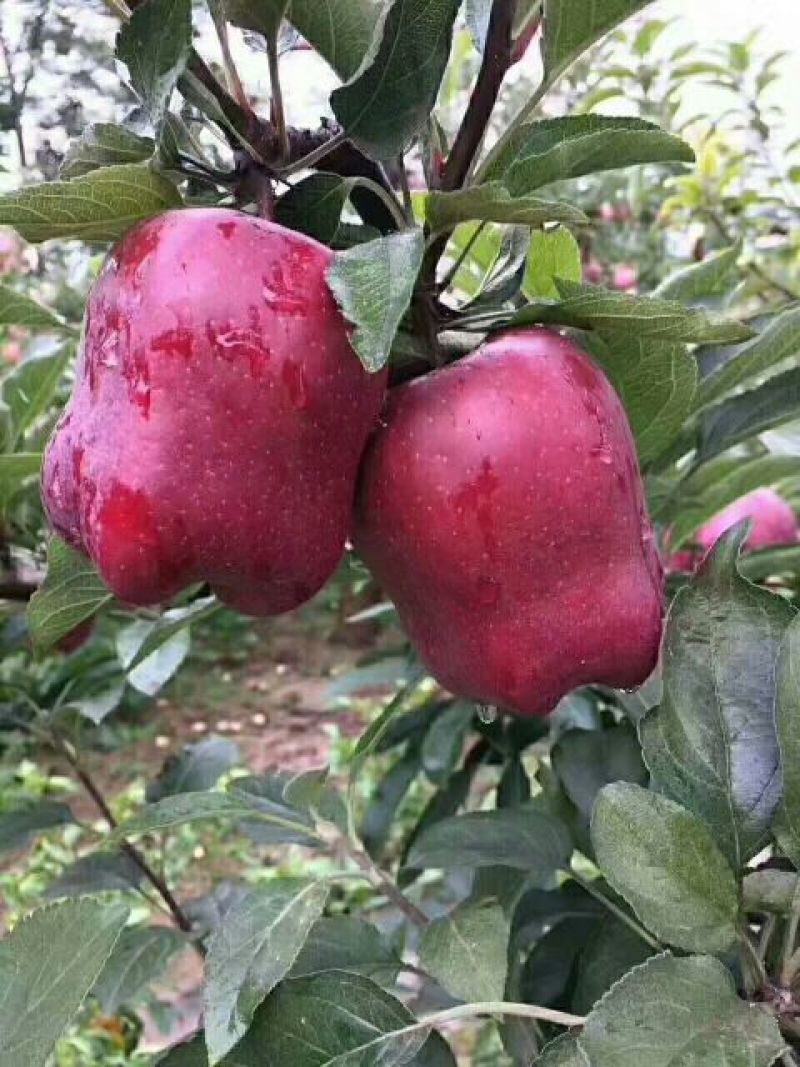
[[500, 506], [774, 523], [218, 416]]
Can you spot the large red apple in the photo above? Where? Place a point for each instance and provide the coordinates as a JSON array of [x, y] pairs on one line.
[[218, 417], [774, 523], [501, 507]]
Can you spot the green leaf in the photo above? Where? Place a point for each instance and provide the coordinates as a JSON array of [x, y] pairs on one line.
[[99, 206], [780, 341], [346, 943], [715, 485], [135, 652], [611, 951], [195, 768], [444, 741], [467, 951], [20, 824], [98, 872], [656, 381], [553, 254], [279, 821], [715, 276], [390, 97], [523, 838], [31, 386], [787, 717], [261, 16], [589, 307], [675, 1012], [572, 26], [563, 1052], [770, 562], [314, 206], [155, 44], [385, 800], [139, 958], [539, 153], [711, 744], [373, 284], [664, 862], [587, 760], [332, 1020], [379, 729], [188, 1054], [103, 144], [492, 202], [16, 309], [775, 402], [72, 593], [340, 30], [48, 964], [770, 891], [155, 670], [15, 470], [251, 951]]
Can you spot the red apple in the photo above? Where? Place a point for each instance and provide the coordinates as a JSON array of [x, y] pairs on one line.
[[774, 523], [500, 506], [218, 417]]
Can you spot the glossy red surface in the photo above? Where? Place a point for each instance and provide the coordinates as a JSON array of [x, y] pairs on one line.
[[501, 507], [218, 417]]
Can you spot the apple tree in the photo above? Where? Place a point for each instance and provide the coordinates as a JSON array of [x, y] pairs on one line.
[[379, 329]]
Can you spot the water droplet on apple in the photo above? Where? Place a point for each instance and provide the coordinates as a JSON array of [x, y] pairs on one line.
[[487, 713]]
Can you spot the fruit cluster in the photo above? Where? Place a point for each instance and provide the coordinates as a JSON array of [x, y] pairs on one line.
[[221, 428]]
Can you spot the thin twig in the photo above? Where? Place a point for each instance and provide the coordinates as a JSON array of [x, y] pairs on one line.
[[405, 189], [383, 881], [469, 1011], [232, 74], [157, 882], [315, 156], [450, 277], [756, 963], [278, 110]]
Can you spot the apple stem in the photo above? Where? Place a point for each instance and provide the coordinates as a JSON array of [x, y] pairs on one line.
[[231, 73]]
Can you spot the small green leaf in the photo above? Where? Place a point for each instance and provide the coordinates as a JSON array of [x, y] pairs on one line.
[[72, 593], [100, 206], [347, 943], [16, 309], [779, 341], [523, 838], [31, 386], [19, 825], [390, 97], [787, 718], [712, 277], [104, 144], [770, 891], [587, 760], [553, 254], [444, 741], [611, 951], [139, 958], [492, 202], [314, 206], [261, 16], [155, 44], [573, 26], [539, 153], [251, 951], [48, 965], [195, 768], [373, 284], [15, 470], [665, 863], [97, 872], [467, 951], [339, 30], [741, 417], [675, 1012]]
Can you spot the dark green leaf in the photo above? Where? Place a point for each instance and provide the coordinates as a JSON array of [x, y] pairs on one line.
[[99, 206], [314, 206], [492, 202], [675, 1012], [775, 402], [189, 1054], [514, 787], [550, 966], [283, 823], [572, 26], [787, 719], [195, 768], [313, 792], [340, 30], [539, 153], [386, 798], [779, 341], [610, 952], [656, 381], [155, 44], [664, 862], [99, 872], [329, 1020], [380, 727], [48, 964], [522, 838], [444, 741], [712, 744], [770, 891], [105, 145], [373, 284], [251, 951], [139, 958], [16, 309], [346, 943], [714, 276], [72, 592], [467, 951], [391, 95], [261, 16], [20, 824], [587, 760]]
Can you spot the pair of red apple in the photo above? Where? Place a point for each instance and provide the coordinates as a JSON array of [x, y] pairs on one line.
[[217, 431]]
